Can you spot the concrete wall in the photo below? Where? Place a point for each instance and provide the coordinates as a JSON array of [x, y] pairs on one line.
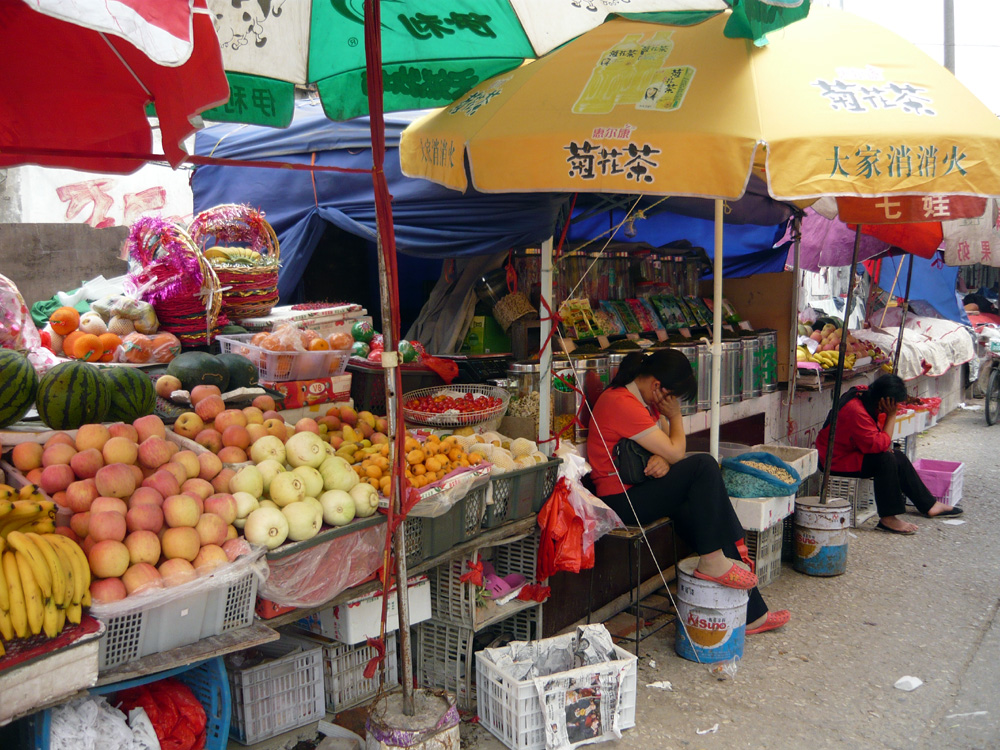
[[43, 259]]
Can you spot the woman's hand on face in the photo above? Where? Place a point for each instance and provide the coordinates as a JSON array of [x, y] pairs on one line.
[[887, 406], [656, 467], [668, 405]]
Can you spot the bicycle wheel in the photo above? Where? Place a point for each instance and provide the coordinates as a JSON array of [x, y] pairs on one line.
[[993, 397]]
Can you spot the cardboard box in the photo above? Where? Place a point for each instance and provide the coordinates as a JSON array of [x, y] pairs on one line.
[[359, 619], [485, 336], [300, 393]]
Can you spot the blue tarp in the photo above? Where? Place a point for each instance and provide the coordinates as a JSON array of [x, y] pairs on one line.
[[431, 221], [932, 281]]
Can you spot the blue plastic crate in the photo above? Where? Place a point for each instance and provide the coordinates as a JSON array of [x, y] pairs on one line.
[[207, 681]]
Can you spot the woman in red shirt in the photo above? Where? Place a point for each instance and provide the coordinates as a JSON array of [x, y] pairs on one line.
[[643, 403], [862, 447]]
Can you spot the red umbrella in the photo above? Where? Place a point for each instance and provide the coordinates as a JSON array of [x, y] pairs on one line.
[[80, 76]]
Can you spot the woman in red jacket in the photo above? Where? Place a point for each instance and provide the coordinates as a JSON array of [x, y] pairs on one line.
[[862, 447]]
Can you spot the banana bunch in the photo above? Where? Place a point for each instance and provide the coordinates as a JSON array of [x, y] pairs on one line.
[[26, 509], [830, 359], [242, 256], [802, 354], [44, 582]]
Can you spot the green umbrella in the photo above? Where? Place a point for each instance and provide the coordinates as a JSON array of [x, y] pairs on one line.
[[433, 50]]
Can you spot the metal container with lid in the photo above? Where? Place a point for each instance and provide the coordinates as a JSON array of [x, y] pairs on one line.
[[592, 377], [690, 350], [750, 371], [492, 286], [732, 369], [768, 359], [704, 377]]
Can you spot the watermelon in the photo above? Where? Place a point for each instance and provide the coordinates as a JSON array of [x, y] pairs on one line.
[[132, 393], [242, 372], [72, 394], [18, 386], [198, 368]]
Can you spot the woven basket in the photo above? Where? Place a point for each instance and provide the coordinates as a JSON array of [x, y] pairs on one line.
[[167, 270], [243, 250]]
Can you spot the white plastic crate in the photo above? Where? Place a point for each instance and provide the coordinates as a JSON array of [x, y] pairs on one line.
[[765, 551], [324, 321], [943, 478], [285, 692], [276, 366], [759, 513], [510, 709], [804, 460], [860, 493]]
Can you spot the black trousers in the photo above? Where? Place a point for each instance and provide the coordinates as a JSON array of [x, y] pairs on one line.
[[894, 477], [694, 497]]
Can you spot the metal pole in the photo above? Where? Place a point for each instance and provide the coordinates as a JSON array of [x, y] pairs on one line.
[[794, 336], [716, 334], [545, 355], [902, 320], [840, 367], [949, 35]]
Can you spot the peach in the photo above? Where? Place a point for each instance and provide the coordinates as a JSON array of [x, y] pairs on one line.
[[211, 465], [107, 590], [56, 477], [177, 571], [154, 451], [108, 558], [223, 505], [143, 546], [232, 455], [179, 472], [348, 415], [148, 517], [211, 529], [59, 498], [115, 480], [365, 429], [180, 510], [163, 482], [145, 496], [86, 463], [220, 482], [34, 476], [60, 438], [253, 415], [276, 427], [382, 425], [332, 419], [189, 425], [189, 460], [58, 453], [27, 456], [236, 436], [92, 436], [199, 487], [120, 429], [256, 432], [264, 402], [210, 439], [230, 417], [307, 424], [107, 525], [67, 532], [368, 418], [80, 523], [200, 392], [182, 542], [120, 450], [112, 504], [167, 384], [210, 407], [210, 556], [141, 576], [148, 426]]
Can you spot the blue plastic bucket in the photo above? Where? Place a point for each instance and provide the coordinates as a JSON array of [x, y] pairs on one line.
[[714, 617], [820, 536]]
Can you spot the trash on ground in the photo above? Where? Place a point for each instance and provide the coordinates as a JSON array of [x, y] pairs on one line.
[[711, 730], [970, 713], [908, 683], [652, 663], [723, 670], [660, 685], [952, 521], [970, 407]]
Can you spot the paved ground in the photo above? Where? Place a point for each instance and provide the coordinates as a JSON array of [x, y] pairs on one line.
[[924, 605]]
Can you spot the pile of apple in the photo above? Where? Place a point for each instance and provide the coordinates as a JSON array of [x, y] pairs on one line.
[[146, 513], [829, 340]]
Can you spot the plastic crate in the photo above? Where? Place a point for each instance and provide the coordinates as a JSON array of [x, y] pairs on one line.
[[804, 460], [453, 600], [429, 537], [511, 711], [943, 479], [283, 693], [765, 551], [518, 494], [276, 366], [860, 493], [204, 613], [207, 681], [368, 383]]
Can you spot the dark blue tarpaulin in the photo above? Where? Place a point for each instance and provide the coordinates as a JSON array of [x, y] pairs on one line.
[[932, 281], [431, 221]]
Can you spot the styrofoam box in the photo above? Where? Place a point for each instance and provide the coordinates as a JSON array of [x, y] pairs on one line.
[[759, 513], [359, 619], [804, 460]]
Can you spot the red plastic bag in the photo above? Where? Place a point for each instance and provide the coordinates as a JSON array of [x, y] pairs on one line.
[[176, 714]]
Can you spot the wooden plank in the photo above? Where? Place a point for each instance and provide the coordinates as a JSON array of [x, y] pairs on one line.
[[217, 645]]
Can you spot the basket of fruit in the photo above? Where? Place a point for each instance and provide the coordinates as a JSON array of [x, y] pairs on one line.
[[460, 406], [289, 353]]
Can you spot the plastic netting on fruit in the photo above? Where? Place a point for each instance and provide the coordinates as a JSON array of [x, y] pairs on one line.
[[455, 417]]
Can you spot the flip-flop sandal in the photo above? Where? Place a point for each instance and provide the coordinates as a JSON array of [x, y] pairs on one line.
[[773, 621], [500, 587], [952, 511], [882, 527], [734, 578]]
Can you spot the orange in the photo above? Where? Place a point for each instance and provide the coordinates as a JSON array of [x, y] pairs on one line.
[[69, 341], [166, 346], [138, 348], [88, 348], [318, 345], [373, 472], [110, 342], [64, 320], [258, 337], [334, 368]]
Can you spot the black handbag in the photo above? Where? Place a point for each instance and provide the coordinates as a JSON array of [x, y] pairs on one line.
[[630, 459]]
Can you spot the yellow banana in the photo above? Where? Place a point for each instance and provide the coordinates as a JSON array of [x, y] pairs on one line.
[[24, 511], [81, 567], [56, 571], [4, 592], [74, 613], [85, 601], [39, 569], [50, 619], [2, 650], [6, 627], [32, 596], [6, 505], [39, 526], [73, 593], [215, 253], [62, 619], [18, 614]]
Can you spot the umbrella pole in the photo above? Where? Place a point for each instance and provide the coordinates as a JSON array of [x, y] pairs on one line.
[[794, 335], [839, 381], [545, 355], [902, 320], [716, 334]]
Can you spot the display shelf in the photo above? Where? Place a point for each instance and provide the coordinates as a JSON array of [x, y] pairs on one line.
[[507, 532], [702, 420]]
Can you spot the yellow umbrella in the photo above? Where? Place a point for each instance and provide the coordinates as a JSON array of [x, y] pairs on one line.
[[840, 106]]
